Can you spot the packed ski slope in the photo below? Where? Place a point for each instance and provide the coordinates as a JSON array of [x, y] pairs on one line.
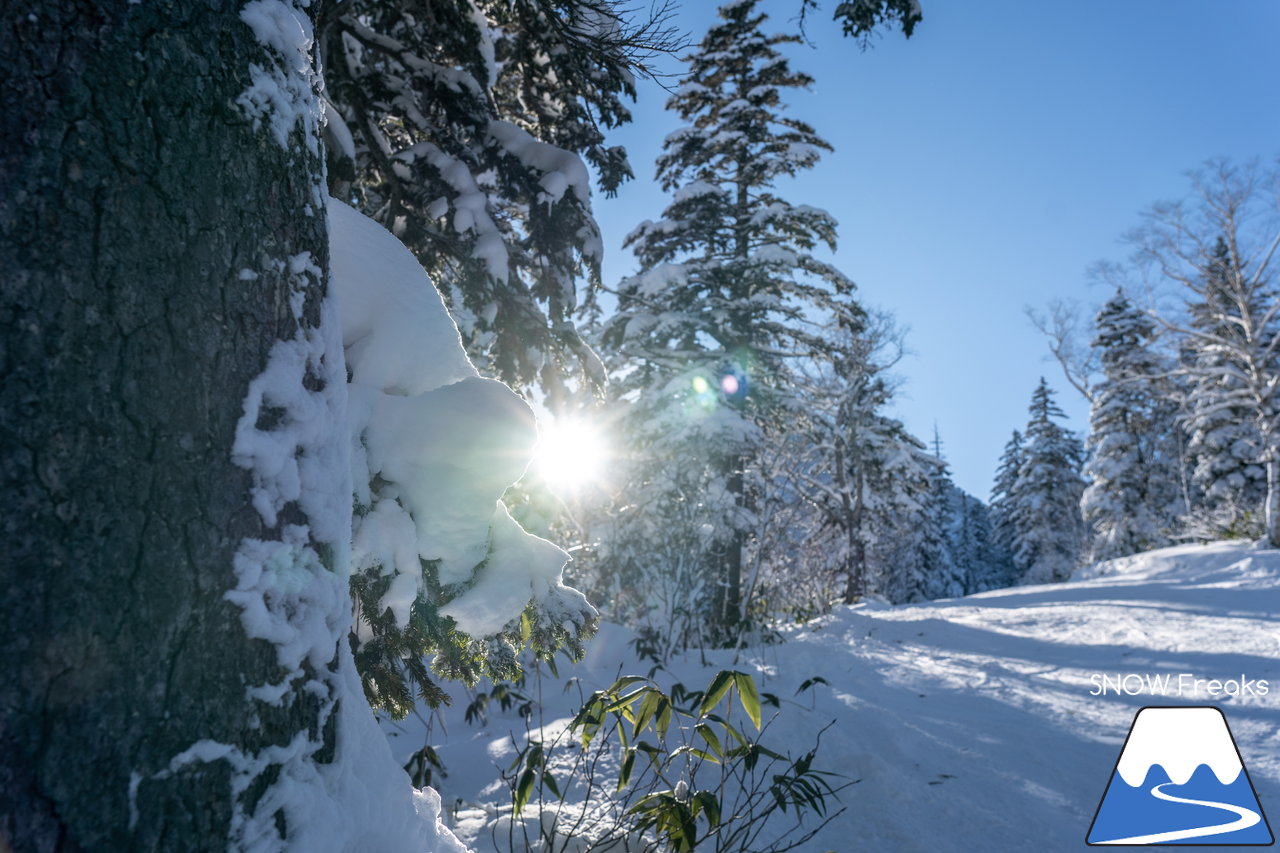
[[976, 723]]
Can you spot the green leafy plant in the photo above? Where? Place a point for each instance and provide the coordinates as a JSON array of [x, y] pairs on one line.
[[507, 695], [640, 768], [423, 766]]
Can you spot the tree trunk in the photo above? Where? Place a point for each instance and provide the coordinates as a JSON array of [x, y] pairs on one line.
[[133, 189], [733, 559], [1273, 499], [856, 571]]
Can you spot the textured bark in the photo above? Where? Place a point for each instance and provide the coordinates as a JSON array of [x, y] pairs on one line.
[[132, 190]]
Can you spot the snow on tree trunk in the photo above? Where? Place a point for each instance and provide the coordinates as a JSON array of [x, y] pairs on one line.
[[1273, 500], [176, 674]]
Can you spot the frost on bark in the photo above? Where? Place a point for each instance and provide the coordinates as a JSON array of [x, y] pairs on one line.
[[133, 188]]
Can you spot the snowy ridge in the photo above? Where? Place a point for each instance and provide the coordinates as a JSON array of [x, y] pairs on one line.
[[1223, 565], [1179, 740]]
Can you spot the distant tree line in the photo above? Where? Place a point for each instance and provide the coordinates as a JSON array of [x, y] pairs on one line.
[[1183, 380]]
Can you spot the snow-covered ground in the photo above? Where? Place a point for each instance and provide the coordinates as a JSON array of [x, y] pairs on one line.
[[975, 723]]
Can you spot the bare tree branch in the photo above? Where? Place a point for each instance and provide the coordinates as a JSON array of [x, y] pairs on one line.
[[1077, 359]]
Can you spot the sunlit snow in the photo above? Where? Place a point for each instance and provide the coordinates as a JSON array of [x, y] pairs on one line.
[[970, 723]]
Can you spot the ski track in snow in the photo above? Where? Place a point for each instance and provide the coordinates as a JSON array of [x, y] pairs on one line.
[[969, 722], [1245, 818]]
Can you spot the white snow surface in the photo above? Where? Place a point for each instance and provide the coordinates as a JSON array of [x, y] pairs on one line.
[[516, 560], [562, 169], [968, 722]]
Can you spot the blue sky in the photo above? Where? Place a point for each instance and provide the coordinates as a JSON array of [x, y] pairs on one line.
[[983, 165]]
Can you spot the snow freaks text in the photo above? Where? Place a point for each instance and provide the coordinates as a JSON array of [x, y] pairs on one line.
[[1182, 684]]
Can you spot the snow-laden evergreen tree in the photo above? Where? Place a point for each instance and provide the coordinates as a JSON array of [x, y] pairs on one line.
[[726, 295], [1219, 246], [856, 445], [462, 126], [944, 540], [1047, 529], [1004, 509], [920, 563], [1134, 465], [887, 475], [968, 560], [465, 127], [979, 560], [888, 523], [1223, 439], [878, 505], [916, 561]]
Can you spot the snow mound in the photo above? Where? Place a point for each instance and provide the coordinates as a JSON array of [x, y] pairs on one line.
[[1229, 565], [427, 447]]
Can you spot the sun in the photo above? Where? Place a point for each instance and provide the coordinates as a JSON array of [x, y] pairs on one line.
[[570, 454]]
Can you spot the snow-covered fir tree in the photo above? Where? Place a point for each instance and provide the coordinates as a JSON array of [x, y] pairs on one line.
[[463, 127], [1223, 438], [979, 560], [1004, 509], [856, 446], [913, 555], [1042, 507], [725, 297], [1134, 462], [916, 560], [964, 524], [938, 540], [872, 512], [884, 515], [1218, 246]]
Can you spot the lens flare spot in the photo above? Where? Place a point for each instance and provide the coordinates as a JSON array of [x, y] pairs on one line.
[[729, 384], [700, 385], [570, 454]]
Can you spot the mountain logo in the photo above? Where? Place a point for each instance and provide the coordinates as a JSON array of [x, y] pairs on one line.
[[1180, 781]]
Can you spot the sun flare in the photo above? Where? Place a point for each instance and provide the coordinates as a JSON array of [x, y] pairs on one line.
[[570, 454]]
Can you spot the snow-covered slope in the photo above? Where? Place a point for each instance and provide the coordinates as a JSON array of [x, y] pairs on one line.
[[980, 723]]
